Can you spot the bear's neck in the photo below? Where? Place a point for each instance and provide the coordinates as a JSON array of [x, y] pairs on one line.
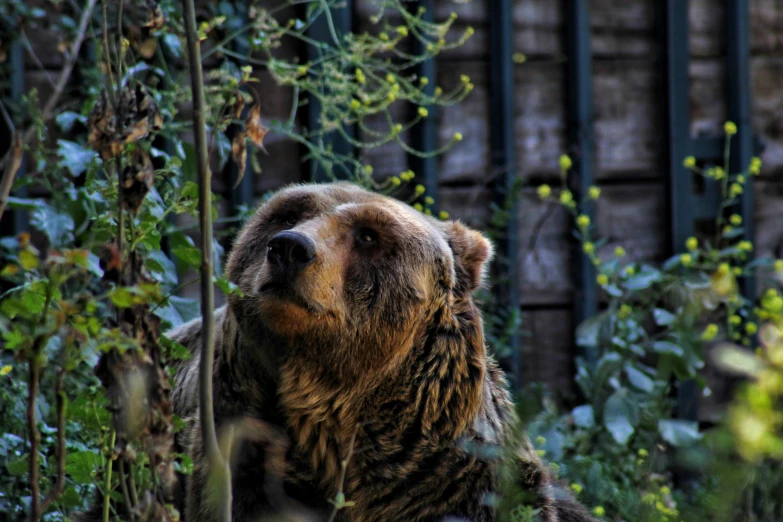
[[427, 404]]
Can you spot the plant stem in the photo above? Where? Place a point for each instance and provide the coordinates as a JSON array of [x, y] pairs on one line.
[[34, 366], [107, 482], [207, 418], [59, 486]]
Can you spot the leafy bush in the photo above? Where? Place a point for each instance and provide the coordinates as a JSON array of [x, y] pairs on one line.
[[622, 445]]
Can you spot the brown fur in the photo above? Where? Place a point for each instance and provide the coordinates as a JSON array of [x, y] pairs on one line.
[[381, 342]]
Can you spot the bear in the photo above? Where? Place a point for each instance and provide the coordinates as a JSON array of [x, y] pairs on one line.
[[356, 344]]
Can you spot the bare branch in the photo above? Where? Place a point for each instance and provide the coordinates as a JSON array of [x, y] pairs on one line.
[[207, 418], [31, 52], [65, 75], [13, 161], [34, 377], [340, 502], [124, 487], [55, 493]]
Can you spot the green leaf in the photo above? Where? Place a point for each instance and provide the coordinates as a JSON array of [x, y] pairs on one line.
[[18, 466], [33, 296], [620, 416], [645, 278], [161, 268], [608, 365], [24, 203], [736, 360], [588, 333], [81, 466], [663, 317], [57, 226], [28, 260], [696, 280], [190, 255], [74, 157], [671, 263], [14, 339], [189, 309], [639, 379], [667, 347], [227, 287], [733, 232], [679, 433], [65, 120], [177, 351], [70, 498], [584, 416], [172, 43], [125, 296]]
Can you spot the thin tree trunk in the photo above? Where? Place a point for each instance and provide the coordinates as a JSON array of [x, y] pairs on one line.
[[218, 467]]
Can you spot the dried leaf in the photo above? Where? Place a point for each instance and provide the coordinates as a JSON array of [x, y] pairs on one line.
[[137, 179], [254, 127], [239, 104], [239, 153], [147, 48], [155, 18], [110, 262], [137, 130]]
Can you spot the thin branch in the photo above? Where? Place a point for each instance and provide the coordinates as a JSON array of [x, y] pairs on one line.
[[65, 75], [216, 461], [31, 51], [341, 503], [55, 493], [107, 482], [34, 366], [124, 487], [12, 160]]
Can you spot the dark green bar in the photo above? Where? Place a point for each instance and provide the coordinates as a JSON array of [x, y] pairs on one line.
[[582, 141], [680, 182], [501, 101], [739, 111], [424, 135], [319, 31]]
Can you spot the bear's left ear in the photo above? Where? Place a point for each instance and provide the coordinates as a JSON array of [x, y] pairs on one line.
[[472, 252]]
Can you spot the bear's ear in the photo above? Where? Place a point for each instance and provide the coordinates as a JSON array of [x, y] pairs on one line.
[[472, 252]]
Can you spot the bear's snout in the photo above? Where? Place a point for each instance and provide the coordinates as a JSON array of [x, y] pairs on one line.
[[291, 251]]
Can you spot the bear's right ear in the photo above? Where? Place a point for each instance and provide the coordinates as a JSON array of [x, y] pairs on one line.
[[472, 253]]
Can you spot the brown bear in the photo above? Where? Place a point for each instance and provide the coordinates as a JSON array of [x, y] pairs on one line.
[[357, 336]]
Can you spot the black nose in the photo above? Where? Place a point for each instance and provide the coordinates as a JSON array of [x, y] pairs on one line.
[[291, 250]]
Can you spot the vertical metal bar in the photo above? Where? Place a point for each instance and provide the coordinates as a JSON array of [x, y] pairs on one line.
[[680, 183], [501, 68], [739, 111], [582, 138], [319, 30], [424, 135], [19, 219], [243, 193]]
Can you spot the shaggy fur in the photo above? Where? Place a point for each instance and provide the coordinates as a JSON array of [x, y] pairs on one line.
[[377, 341]]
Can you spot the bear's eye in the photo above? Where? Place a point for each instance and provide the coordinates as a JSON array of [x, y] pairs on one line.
[[366, 236], [289, 219]]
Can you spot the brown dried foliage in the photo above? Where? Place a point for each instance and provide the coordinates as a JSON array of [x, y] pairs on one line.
[[135, 116]]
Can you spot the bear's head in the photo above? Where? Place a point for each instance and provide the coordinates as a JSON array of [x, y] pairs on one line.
[[347, 280]]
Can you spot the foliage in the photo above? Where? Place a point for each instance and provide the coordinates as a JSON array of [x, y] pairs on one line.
[[621, 444]]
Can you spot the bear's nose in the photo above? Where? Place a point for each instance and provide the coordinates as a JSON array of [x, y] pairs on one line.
[[291, 250]]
